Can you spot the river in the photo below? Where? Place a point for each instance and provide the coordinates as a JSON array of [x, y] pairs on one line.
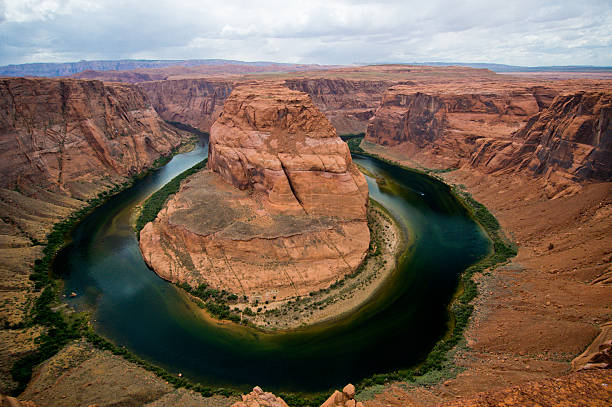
[[152, 318]]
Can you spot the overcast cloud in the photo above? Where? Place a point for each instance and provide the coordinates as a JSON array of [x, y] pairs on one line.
[[517, 32]]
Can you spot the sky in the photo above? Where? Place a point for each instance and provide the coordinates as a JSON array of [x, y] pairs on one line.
[[515, 32]]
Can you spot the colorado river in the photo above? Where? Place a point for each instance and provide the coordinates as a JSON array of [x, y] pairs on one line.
[[134, 308]]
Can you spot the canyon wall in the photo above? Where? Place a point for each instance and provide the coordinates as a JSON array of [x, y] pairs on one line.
[[63, 134], [452, 120], [568, 142], [560, 135], [281, 211], [61, 143], [196, 102], [348, 104]]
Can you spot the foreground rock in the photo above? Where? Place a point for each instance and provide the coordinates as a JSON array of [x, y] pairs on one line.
[[280, 213], [259, 398], [345, 398]]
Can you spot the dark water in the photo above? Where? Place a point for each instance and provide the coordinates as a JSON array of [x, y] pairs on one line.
[[135, 308]]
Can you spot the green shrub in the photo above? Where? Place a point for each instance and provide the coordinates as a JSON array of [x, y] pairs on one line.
[[155, 203]]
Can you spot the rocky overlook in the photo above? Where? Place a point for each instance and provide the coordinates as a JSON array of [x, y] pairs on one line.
[[281, 211]]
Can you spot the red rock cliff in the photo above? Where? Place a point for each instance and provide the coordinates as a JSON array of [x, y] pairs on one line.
[[348, 104], [196, 102], [65, 134], [280, 213]]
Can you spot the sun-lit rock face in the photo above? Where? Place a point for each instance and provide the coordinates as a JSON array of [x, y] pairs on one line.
[[280, 212], [273, 140]]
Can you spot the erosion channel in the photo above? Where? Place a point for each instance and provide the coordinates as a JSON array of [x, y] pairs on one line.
[[396, 328]]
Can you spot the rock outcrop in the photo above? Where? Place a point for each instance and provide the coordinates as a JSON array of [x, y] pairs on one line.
[[565, 138], [259, 398], [568, 142], [345, 398], [280, 213], [196, 102], [449, 122]]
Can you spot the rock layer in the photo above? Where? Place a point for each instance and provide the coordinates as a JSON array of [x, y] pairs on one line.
[[348, 104], [196, 102], [60, 134], [565, 138], [280, 213], [568, 142]]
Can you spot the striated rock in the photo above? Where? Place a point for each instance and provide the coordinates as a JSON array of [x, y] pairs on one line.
[[259, 398], [570, 141], [275, 141], [450, 116], [196, 102], [60, 134], [348, 104], [280, 213], [501, 128]]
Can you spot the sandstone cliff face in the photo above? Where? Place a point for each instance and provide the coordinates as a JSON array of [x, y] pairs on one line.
[[61, 143], [280, 213], [196, 102], [60, 134], [566, 144], [415, 115], [348, 104], [276, 141]]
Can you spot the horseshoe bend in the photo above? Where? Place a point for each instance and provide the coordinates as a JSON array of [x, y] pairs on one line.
[[480, 275]]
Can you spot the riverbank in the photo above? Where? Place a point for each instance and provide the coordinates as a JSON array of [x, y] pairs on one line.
[[533, 315], [44, 313]]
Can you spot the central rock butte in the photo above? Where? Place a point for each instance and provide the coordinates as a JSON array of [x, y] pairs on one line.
[[281, 210]]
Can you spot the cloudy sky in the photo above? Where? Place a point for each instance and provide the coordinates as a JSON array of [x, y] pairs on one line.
[[517, 32]]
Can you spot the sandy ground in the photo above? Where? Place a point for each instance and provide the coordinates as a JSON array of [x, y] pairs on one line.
[[535, 314], [80, 375]]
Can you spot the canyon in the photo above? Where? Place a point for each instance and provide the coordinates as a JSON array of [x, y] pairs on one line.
[[62, 142], [281, 211], [535, 151]]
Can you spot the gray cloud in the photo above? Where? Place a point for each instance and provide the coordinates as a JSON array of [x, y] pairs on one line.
[[519, 32]]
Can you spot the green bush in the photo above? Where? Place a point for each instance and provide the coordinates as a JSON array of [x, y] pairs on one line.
[[155, 203]]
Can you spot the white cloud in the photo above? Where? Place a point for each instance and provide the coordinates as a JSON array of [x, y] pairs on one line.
[[525, 32]]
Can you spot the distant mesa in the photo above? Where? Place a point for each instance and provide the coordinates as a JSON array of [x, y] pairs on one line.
[[280, 211]]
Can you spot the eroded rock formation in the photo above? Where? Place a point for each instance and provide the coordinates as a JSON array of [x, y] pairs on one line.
[[259, 398], [565, 138], [451, 121], [196, 102], [280, 213], [64, 134], [348, 104], [568, 142]]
